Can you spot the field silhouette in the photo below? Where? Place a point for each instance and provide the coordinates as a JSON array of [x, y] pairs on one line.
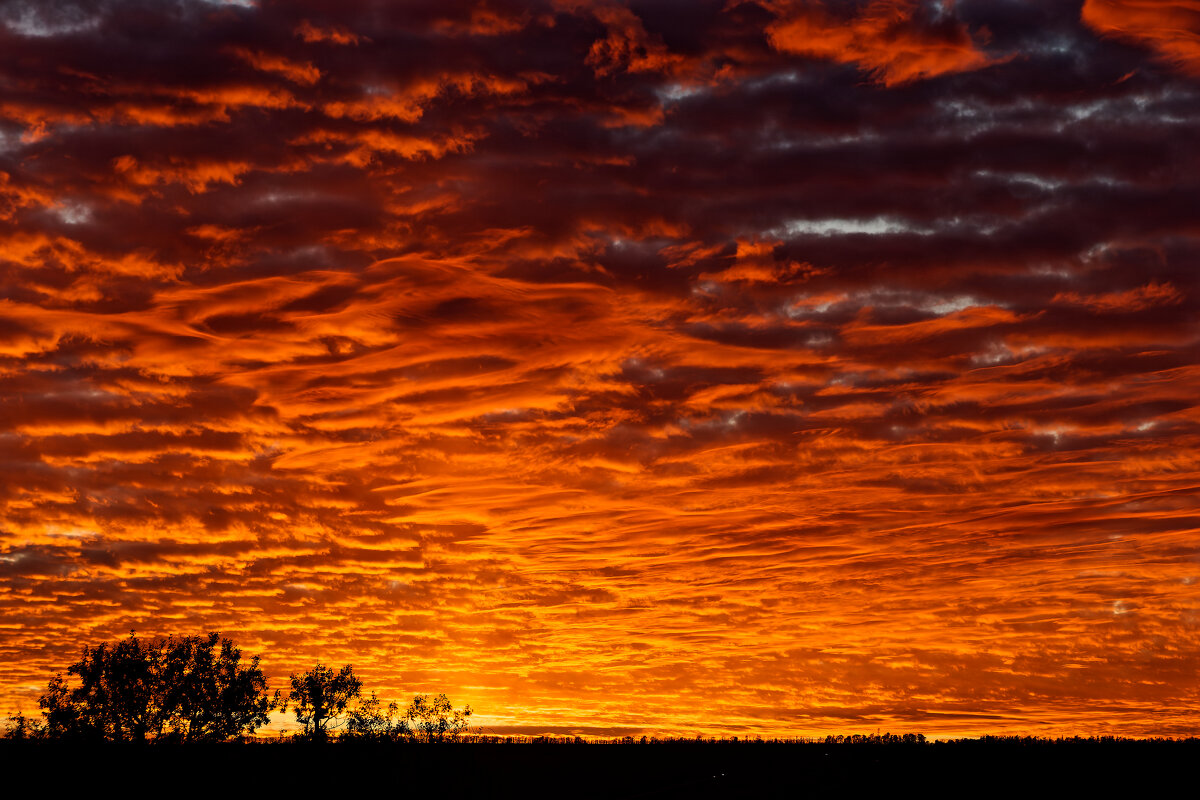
[[679, 769]]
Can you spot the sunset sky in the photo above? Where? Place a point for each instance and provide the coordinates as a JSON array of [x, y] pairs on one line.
[[773, 367]]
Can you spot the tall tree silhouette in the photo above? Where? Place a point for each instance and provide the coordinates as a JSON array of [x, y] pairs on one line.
[[211, 695], [321, 696]]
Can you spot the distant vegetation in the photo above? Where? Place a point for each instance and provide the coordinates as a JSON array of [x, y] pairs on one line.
[[200, 689], [191, 689]]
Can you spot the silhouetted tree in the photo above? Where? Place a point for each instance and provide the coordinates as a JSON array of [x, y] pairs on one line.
[[321, 696], [21, 728], [64, 718], [212, 696], [120, 696], [433, 719], [370, 720], [146, 689]]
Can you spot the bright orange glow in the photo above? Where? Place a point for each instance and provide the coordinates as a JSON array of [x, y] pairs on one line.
[[896, 40], [785, 367], [1171, 28]]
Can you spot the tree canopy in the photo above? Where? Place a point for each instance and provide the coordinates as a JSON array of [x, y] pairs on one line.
[[190, 688], [370, 719], [200, 689], [321, 698], [433, 719]]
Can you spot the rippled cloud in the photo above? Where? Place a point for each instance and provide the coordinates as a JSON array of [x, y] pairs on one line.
[[727, 367]]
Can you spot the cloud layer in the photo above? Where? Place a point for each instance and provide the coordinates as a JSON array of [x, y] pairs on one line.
[[778, 367]]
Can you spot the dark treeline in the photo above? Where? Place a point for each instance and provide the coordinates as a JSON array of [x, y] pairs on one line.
[[122, 701], [197, 689]]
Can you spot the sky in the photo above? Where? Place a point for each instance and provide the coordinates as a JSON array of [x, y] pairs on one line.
[[743, 367]]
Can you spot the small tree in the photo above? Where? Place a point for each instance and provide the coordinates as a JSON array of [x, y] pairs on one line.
[[321, 696], [21, 728], [434, 720], [370, 720]]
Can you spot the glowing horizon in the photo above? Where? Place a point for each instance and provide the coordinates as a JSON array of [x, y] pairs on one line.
[[778, 367]]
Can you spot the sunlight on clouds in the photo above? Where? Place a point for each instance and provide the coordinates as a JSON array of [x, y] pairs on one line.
[[608, 372]]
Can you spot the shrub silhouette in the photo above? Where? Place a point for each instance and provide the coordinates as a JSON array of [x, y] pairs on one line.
[[186, 688], [370, 720], [433, 719]]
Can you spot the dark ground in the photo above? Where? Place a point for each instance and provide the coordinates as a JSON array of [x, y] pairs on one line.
[[682, 770]]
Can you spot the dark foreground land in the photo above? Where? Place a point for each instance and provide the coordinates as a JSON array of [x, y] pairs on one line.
[[968, 768]]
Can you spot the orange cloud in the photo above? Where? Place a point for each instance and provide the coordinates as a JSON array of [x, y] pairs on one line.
[[896, 41], [626, 46], [484, 21], [1171, 28], [335, 35], [1138, 299], [196, 177], [368, 144], [14, 197], [301, 72], [408, 103]]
